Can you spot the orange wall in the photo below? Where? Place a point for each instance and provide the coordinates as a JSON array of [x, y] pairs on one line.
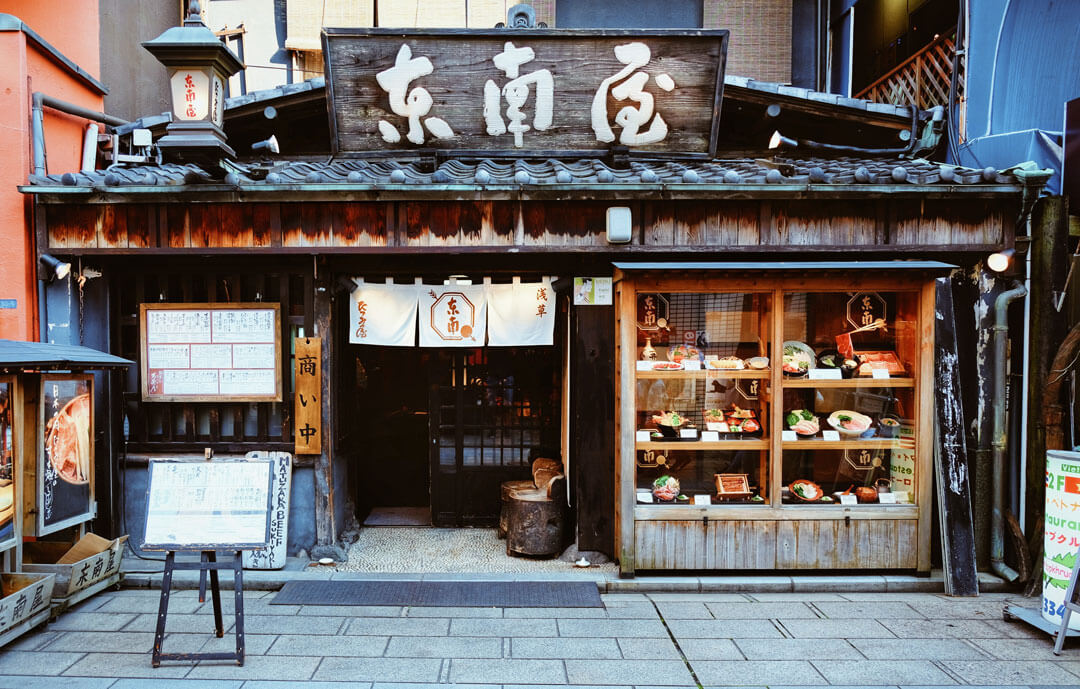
[[72, 29]]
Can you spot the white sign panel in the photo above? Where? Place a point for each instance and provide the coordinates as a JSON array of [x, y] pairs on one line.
[[202, 352], [199, 505]]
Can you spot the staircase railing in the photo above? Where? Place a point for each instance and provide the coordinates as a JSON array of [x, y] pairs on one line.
[[921, 80]]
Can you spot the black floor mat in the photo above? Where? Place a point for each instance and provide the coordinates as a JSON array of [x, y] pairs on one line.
[[464, 594]]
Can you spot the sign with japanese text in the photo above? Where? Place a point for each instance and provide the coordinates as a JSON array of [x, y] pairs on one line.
[[521, 314], [307, 405], [383, 314], [210, 352], [30, 594], [525, 90], [208, 505], [65, 466], [453, 315]]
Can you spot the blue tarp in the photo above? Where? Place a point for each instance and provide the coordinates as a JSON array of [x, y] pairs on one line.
[[1023, 65]]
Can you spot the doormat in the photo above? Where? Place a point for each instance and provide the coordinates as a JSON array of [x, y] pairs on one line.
[[462, 594]]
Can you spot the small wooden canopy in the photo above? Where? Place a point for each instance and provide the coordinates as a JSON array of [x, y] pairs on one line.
[[20, 356]]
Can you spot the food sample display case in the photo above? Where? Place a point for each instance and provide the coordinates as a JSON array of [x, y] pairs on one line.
[[775, 417]]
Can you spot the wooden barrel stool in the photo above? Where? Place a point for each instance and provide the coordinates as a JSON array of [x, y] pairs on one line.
[[536, 522], [504, 491]]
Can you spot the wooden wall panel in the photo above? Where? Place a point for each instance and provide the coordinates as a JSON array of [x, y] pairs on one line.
[[740, 544], [813, 223], [72, 226], [775, 225], [836, 544], [669, 545]]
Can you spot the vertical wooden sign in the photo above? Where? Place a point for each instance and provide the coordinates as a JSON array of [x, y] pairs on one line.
[[307, 403]]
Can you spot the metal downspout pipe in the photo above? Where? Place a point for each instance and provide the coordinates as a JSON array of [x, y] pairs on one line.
[[39, 102], [997, 516]]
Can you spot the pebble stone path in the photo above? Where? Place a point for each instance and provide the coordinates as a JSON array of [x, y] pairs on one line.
[[636, 640]]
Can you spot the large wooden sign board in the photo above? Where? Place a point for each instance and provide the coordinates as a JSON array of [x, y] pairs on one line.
[[561, 92], [210, 352], [208, 505]]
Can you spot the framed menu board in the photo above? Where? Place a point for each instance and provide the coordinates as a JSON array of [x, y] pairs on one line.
[[210, 352], [65, 467], [217, 505]]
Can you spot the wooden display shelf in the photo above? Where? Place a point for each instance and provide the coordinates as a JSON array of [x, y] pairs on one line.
[[850, 383], [718, 445], [718, 372], [859, 444]]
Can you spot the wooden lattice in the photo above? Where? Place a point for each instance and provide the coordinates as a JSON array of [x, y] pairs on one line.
[[921, 80]]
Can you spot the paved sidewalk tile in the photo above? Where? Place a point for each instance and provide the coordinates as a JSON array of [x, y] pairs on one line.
[[571, 613], [177, 684], [797, 649], [385, 626], [802, 596], [437, 611], [724, 629], [276, 624], [1016, 671], [935, 629], [917, 649], [126, 642], [294, 668], [757, 672], [883, 672], [124, 665], [413, 685], [33, 641], [528, 628], [254, 644], [259, 606], [612, 628], [867, 610], [648, 649], [1012, 630], [628, 611], [700, 597], [509, 670], [835, 629], [944, 608], [684, 610], [92, 621], [179, 606], [173, 623], [37, 662], [273, 684], [561, 647], [443, 647], [320, 645], [1028, 649], [351, 611], [24, 682], [379, 669], [712, 649], [654, 672], [760, 611]]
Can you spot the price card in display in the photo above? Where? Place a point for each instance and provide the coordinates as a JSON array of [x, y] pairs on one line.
[[643, 436], [830, 435], [644, 365], [788, 436], [644, 497], [825, 374], [702, 500], [901, 496], [887, 498], [691, 364], [710, 436], [688, 433], [879, 373], [848, 499]]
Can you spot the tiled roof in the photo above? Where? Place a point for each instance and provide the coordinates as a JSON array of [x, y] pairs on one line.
[[817, 96], [780, 169]]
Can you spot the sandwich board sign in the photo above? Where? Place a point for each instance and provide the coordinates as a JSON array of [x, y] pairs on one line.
[[203, 505]]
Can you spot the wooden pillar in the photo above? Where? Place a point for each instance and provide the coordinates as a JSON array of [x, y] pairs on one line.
[[1049, 229], [325, 527]]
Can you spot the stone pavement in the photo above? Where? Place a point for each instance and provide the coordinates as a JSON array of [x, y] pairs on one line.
[[637, 640]]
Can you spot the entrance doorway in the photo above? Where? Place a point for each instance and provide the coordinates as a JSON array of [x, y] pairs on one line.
[[492, 411], [436, 431]]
